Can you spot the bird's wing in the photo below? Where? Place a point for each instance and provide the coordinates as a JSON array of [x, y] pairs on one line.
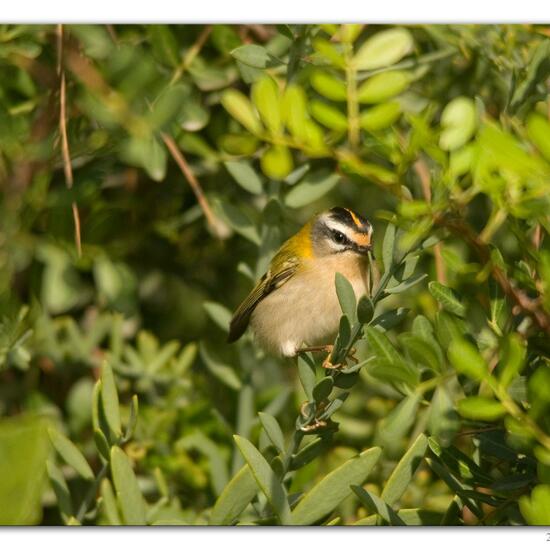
[[272, 280]]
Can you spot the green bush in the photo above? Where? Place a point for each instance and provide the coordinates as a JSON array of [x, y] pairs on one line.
[[148, 175]]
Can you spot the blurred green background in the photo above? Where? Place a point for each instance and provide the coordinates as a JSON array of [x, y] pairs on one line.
[[148, 174]]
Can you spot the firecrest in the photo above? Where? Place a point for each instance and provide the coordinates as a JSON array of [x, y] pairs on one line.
[[295, 303]]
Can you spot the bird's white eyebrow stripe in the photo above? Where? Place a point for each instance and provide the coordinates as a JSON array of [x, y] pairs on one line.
[[337, 226]]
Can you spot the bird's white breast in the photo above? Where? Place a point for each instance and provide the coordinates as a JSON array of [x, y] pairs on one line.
[[305, 310]]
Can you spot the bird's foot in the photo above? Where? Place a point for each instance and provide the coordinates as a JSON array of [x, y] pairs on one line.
[[327, 348]]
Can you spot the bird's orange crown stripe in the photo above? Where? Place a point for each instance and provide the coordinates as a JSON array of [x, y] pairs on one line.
[[354, 217]]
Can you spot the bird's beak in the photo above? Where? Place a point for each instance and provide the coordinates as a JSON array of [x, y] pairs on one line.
[[364, 250]]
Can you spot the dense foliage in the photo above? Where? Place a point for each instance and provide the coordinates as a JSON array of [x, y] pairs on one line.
[[149, 173]]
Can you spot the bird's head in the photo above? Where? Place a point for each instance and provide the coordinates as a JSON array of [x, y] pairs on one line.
[[340, 230]]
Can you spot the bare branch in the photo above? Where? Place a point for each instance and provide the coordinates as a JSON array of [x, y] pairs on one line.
[[67, 167], [217, 227]]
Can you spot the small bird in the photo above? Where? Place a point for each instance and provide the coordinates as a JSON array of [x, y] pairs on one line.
[[295, 303]]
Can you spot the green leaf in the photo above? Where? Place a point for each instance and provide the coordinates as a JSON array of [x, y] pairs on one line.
[[295, 112], [403, 473], [384, 49], [365, 310], [234, 498], [164, 44], [311, 188], [536, 507], [127, 489], [443, 421], [480, 408], [109, 504], [334, 488], [266, 479], [381, 87], [266, 98], [408, 283], [277, 162], [167, 106], [245, 176], [381, 346], [24, 449], [239, 144], [60, 489], [133, 418], [346, 297], [273, 430], [109, 399], [329, 52], [198, 441], [396, 425], [219, 314], [388, 248], [102, 445], [538, 69], [241, 109], [146, 153], [308, 453], [380, 117], [328, 85], [422, 327], [422, 351], [238, 220], [328, 115], [69, 452], [448, 328], [447, 298], [538, 130], [459, 122], [375, 504], [467, 360], [514, 354], [390, 319], [254, 56]]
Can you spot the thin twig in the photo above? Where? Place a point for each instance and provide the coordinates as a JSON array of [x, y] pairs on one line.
[[177, 155], [67, 167], [529, 305], [421, 169], [193, 51]]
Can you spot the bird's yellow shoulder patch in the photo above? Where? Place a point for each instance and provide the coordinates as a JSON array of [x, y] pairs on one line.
[[301, 242]]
